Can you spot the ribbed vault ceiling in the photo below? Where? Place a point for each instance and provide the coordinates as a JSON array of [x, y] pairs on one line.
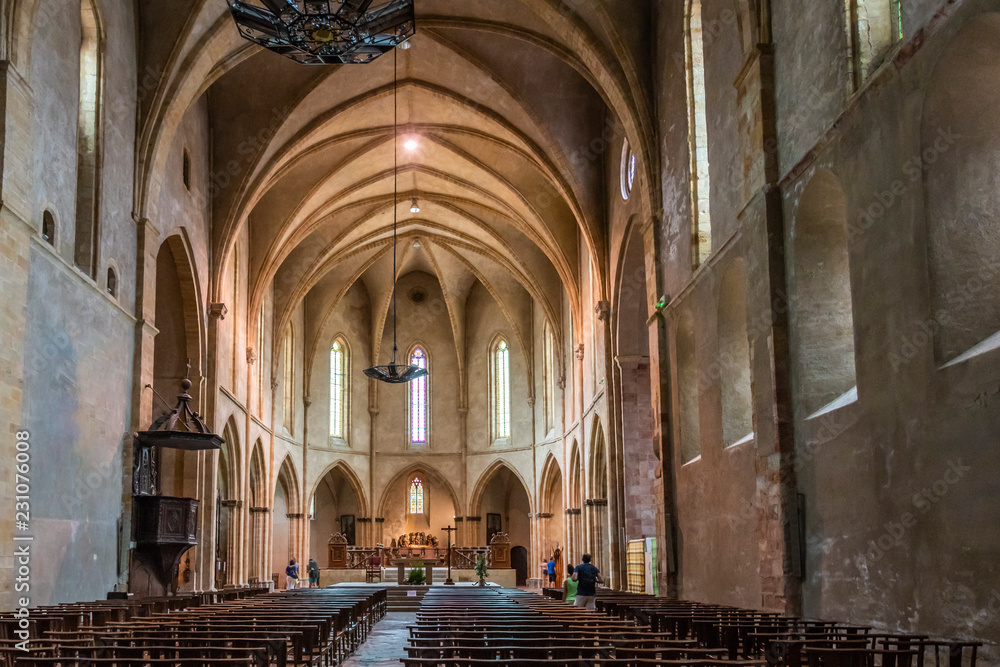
[[502, 99]]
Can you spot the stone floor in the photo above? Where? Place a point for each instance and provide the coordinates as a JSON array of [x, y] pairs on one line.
[[385, 643]]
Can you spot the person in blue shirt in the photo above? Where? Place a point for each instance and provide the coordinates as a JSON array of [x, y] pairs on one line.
[[552, 570], [292, 575], [587, 577]]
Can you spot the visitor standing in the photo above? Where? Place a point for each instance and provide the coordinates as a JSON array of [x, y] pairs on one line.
[[552, 571], [569, 586], [313, 571], [587, 577], [291, 575]]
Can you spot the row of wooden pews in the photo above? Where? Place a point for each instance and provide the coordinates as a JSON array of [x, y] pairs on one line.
[[480, 626], [259, 629], [783, 641]]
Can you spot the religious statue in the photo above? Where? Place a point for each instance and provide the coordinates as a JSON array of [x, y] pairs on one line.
[[402, 541]]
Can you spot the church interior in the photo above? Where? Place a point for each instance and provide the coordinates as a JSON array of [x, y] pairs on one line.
[[706, 289]]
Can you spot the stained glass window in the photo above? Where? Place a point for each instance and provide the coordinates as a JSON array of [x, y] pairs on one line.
[[416, 496], [418, 400], [337, 389], [501, 390]]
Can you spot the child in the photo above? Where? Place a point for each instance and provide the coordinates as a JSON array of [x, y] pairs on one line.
[[569, 586]]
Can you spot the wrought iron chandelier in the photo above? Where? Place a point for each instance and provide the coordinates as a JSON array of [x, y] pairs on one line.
[[395, 373], [325, 32]]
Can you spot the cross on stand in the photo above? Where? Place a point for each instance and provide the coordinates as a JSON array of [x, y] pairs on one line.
[[448, 581]]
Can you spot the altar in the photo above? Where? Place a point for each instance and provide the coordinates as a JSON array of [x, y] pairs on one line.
[[349, 564]]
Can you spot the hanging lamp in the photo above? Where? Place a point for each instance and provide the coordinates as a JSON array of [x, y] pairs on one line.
[[395, 373]]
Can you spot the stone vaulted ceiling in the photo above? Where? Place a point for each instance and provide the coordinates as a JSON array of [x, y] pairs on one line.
[[501, 97]]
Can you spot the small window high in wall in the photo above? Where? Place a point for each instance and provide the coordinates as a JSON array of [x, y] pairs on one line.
[[701, 223], [186, 169], [48, 228], [112, 283], [875, 25], [627, 170]]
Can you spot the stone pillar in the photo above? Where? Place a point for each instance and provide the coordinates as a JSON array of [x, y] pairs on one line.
[[777, 488], [306, 500], [660, 389], [258, 519], [147, 246], [615, 513]]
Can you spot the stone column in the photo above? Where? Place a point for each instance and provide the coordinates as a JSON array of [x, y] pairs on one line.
[[615, 512], [660, 391], [777, 488], [306, 500]]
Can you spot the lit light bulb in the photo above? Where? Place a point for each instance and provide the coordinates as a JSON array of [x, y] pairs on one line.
[[414, 207], [404, 45], [410, 145]]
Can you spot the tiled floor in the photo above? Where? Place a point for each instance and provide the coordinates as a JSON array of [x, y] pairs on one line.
[[385, 643]]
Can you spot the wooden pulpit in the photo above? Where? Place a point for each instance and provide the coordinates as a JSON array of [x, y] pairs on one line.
[[500, 551], [337, 558]]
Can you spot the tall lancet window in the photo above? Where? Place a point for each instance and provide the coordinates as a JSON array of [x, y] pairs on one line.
[[501, 390], [701, 224], [260, 363], [418, 401], [288, 362], [88, 140], [548, 376], [416, 496], [338, 384]]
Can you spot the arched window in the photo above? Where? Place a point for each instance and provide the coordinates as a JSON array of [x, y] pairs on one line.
[[48, 228], [288, 361], [418, 401], [701, 226], [875, 25], [338, 389], [416, 496], [88, 139], [627, 170], [548, 353], [186, 170], [501, 390], [112, 283]]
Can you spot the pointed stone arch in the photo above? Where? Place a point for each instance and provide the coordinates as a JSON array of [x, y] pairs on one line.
[[551, 500], [417, 469], [353, 481], [487, 475]]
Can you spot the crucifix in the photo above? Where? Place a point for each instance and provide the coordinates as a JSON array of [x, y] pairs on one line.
[[448, 581]]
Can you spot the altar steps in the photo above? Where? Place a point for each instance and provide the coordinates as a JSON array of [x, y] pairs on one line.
[[404, 598]]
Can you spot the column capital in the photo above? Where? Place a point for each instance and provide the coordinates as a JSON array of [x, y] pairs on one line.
[[218, 310]]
